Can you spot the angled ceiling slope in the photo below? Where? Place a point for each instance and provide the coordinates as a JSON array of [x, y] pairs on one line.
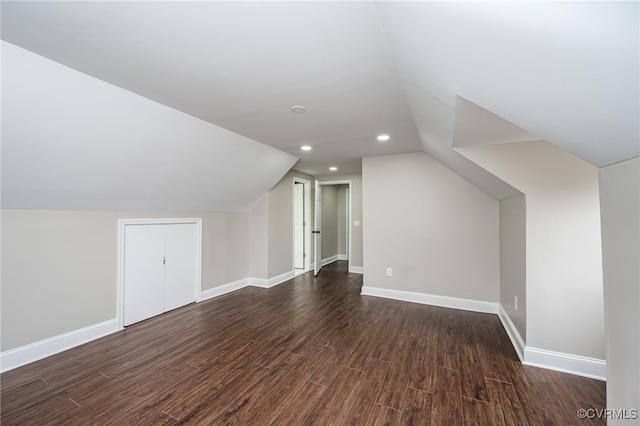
[[241, 66], [566, 71], [72, 142]]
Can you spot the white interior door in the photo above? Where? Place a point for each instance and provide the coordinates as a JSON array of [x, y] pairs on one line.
[[317, 240], [298, 223], [143, 273], [180, 268]]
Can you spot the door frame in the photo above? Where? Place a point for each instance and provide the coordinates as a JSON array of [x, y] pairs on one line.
[[307, 219], [122, 224], [348, 182]]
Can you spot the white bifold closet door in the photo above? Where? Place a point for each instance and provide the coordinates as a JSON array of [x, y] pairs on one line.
[[160, 268]]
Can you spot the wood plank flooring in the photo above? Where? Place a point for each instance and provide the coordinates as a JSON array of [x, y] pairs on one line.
[[311, 351]]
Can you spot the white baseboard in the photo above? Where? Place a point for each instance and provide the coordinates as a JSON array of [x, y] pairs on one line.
[[17, 357], [271, 282], [223, 289], [329, 260], [512, 332], [343, 257], [432, 299], [281, 278], [566, 363], [356, 269]]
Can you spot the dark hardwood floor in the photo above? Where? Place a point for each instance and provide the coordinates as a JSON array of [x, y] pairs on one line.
[[309, 351]]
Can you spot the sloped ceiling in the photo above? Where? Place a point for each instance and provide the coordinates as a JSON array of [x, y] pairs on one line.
[[427, 73]]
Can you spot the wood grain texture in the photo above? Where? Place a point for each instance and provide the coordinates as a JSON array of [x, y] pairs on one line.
[[309, 351]]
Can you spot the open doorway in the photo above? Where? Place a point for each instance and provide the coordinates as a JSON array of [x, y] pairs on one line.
[[332, 230], [301, 225]]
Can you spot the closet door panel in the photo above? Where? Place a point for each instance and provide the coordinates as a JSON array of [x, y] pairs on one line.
[[181, 265], [143, 272]]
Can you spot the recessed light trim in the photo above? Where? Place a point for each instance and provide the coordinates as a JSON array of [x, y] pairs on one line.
[[333, 168], [305, 148], [383, 138], [298, 109]]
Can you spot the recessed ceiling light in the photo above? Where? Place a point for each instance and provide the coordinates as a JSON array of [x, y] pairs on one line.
[[298, 109], [383, 138], [333, 168], [305, 148]]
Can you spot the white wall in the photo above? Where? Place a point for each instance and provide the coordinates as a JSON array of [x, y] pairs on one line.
[[438, 232], [280, 224], [513, 261], [259, 239], [60, 268], [565, 308], [620, 211]]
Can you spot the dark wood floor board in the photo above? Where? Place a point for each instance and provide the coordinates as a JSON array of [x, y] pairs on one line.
[[505, 404], [359, 406], [417, 407], [246, 402], [364, 348], [387, 342], [447, 350], [332, 401], [397, 379], [186, 395], [309, 350], [447, 400], [329, 367], [384, 416], [224, 400], [424, 361], [476, 413], [471, 374], [492, 358], [295, 411]]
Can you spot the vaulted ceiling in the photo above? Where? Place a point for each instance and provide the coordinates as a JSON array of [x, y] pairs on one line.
[[432, 75]]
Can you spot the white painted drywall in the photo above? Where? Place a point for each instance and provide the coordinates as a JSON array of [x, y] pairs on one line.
[[620, 215], [565, 307], [513, 261], [438, 232]]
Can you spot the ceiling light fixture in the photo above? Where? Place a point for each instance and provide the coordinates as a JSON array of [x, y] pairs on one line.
[[383, 138], [333, 168], [298, 109], [305, 148]]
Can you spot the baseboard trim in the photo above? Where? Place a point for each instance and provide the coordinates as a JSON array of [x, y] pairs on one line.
[[223, 289], [281, 278], [329, 260], [432, 299], [272, 282], [566, 363], [343, 257], [356, 269], [26, 354], [512, 332]]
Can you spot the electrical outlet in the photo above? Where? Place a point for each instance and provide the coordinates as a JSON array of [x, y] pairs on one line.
[[389, 272], [515, 302]]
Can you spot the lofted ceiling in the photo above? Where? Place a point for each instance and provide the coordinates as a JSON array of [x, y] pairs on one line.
[[432, 75]]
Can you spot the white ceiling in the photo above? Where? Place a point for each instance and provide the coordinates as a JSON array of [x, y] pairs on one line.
[[427, 73]]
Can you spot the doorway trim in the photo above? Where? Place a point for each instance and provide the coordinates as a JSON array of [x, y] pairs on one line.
[[122, 224], [348, 182], [307, 228]]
